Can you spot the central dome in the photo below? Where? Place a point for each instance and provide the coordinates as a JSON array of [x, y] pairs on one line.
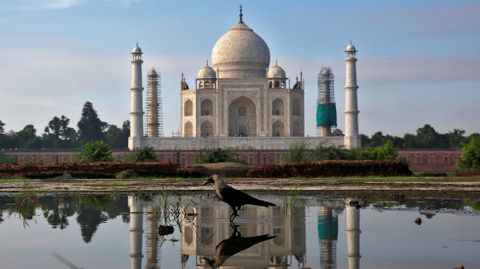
[[241, 53]]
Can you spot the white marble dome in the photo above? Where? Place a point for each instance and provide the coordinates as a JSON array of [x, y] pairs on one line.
[[276, 72], [241, 53], [350, 48], [136, 49], [206, 72]]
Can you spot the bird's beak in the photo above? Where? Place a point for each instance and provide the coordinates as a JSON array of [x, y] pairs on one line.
[[208, 181]]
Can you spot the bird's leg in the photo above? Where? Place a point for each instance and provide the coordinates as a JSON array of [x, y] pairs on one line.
[[232, 216]]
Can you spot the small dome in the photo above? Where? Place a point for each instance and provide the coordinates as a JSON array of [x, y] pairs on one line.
[[206, 72], [350, 48], [276, 72], [137, 49]]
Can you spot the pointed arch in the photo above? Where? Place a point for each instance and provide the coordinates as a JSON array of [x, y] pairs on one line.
[[188, 129], [206, 107], [188, 108]]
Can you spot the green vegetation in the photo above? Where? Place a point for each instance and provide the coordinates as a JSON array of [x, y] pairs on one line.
[[470, 154], [299, 153], [58, 133], [4, 158], [143, 155], [426, 137], [217, 156], [97, 151]]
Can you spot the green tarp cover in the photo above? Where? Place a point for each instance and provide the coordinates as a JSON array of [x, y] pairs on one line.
[[327, 228], [326, 114]]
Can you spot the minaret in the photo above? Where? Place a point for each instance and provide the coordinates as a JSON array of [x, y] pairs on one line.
[[136, 231], [136, 107], [326, 109], [353, 234], [352, 138], [153, 123]]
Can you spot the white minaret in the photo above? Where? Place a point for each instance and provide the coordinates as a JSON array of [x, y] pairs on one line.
[[353, 234], [136, 107], [136, 231], [352, 138]]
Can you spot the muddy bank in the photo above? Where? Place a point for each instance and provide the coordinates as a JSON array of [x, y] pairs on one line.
[[331, 188]]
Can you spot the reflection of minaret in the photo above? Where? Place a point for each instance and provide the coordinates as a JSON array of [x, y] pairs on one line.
[[328, 234], [353, 234], [152, 238], [136, 231]]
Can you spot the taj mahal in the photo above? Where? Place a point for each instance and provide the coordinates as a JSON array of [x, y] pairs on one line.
[[240, 100]]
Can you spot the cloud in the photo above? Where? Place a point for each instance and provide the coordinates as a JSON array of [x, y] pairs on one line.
[[62, 4]]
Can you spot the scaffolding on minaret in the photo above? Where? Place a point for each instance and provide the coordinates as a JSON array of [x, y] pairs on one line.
[[326, 109], [154, 105]]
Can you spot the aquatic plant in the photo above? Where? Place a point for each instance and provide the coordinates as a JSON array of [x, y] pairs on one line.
[[26, 203]]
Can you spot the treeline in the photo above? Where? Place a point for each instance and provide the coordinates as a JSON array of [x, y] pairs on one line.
[[58, 134], [426, 137]]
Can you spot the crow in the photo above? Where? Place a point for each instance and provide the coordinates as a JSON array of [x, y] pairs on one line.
[[234, 198], [232, 245]]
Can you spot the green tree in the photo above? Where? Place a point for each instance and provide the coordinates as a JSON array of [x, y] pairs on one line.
[[456, 138], [58, 134], [90, 127], [470, 154], [96, 151], [116, 137], [27, 138], [427, 137], [2, 130]]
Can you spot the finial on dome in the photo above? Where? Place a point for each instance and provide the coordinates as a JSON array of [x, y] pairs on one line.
[[276, 62], [241, 13], [207, 62]]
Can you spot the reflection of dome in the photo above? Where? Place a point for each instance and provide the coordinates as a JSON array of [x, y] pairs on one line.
[[350, 48], [241, 53], [276, 72], [137, 50], [206, 72]]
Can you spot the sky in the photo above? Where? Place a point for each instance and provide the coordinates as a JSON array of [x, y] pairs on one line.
[[418, 60]]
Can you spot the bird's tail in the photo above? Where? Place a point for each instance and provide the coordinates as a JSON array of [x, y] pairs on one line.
[[255, 201]]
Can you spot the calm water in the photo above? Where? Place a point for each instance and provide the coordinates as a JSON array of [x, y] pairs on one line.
[[120, 231]]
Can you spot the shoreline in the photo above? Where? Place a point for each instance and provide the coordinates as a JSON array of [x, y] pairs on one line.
[[329, 187]]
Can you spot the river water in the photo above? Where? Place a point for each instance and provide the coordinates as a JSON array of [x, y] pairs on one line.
[[122, 231]]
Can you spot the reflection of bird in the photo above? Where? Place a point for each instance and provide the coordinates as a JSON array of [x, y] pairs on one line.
[[234, 244], [234, 198]]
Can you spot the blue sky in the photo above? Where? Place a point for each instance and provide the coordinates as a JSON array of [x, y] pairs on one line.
[[419, 61]]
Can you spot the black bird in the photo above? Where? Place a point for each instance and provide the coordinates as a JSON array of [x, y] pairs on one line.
[[232, 245], [234, 198]]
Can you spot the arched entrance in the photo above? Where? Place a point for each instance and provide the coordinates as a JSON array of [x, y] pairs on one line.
[[278, 129], [242, 117], [206, 129], [188, 129]]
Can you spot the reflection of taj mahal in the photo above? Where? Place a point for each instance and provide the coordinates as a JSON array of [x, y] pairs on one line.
[[241, 101], [206, 226], [211, 225]]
